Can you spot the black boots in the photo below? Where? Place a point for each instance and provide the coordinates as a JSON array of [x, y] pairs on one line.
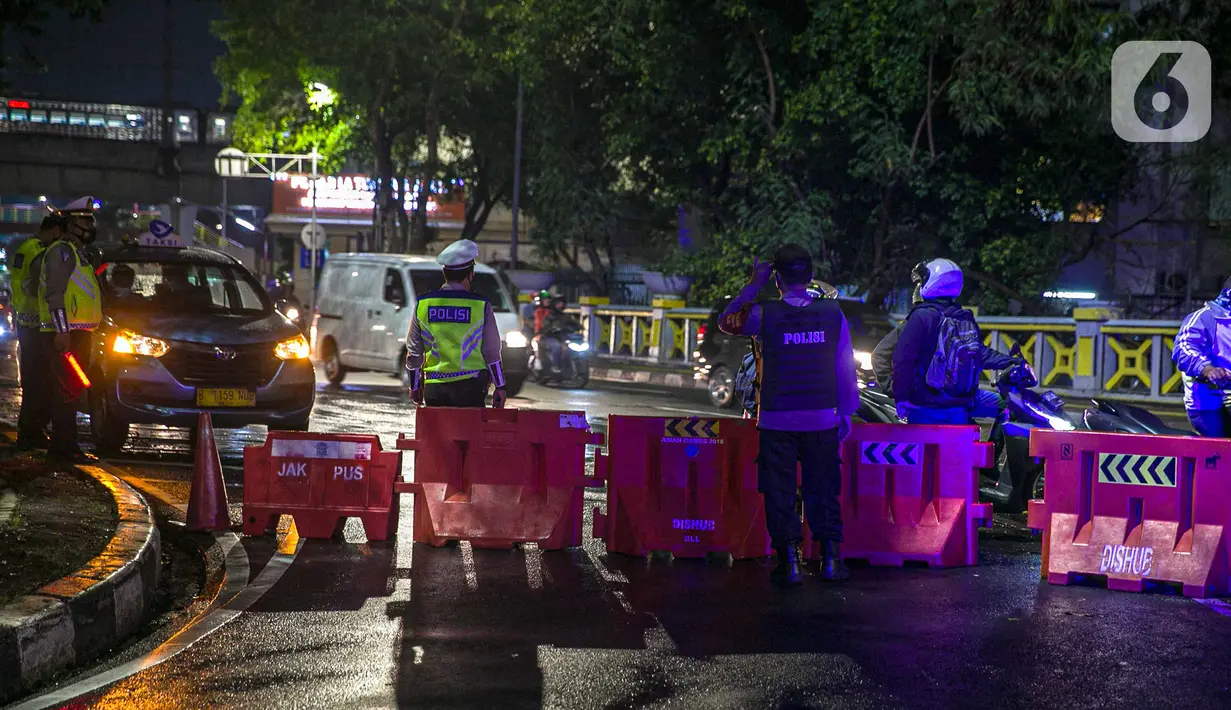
[[832, 567], [788, 573]]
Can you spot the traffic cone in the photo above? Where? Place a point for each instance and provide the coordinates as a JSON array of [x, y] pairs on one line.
[[207, 503]]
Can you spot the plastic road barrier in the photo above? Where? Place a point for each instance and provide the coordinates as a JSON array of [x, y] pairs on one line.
[[321, 479], [1134, 509], [684, 486], [910, 493], [496, 477]]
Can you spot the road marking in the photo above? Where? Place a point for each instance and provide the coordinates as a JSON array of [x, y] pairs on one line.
[[8, 505]]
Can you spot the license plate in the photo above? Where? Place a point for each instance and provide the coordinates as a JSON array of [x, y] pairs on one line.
[[226, 397]]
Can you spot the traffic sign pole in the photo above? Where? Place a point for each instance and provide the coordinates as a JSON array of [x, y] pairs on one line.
[[312, 255]]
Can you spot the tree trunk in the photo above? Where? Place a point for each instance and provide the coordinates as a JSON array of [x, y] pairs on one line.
[[418, 232], [382, 149]]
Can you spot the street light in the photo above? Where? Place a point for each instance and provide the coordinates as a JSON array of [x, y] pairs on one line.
[[320, 96], [232, 162]]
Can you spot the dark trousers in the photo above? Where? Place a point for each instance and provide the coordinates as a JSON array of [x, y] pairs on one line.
[[1209, 422], [470, 392], [35, 384], [67, 391], [819, 457]]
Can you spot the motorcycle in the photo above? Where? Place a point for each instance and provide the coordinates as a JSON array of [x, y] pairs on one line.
[[1015, 477], [574, 360], [295, 314], [1122, 418]]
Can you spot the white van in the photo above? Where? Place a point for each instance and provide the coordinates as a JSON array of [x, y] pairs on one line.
[[364, 304]]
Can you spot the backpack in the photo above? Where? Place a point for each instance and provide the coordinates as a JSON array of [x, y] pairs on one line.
[[958, 361], [746, 385]]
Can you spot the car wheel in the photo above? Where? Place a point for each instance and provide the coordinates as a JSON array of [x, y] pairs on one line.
[[513, 385], [722, 387], [335, 371], [109, 434]]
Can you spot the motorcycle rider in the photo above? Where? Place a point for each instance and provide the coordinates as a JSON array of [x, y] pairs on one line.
[[556, 327], [1202, 354], [938, 353]]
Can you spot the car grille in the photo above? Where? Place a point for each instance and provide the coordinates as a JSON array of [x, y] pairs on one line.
[[199, 364]]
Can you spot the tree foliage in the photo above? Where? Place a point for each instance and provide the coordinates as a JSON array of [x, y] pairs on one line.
[[416, 87], [22, 20]]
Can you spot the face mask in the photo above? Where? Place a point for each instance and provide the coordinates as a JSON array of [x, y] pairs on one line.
[[87, 232]]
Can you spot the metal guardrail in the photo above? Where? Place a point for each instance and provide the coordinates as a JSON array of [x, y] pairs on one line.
[[1092, 353]]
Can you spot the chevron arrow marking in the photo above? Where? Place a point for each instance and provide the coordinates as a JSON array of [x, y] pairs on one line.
[[1138, 470]]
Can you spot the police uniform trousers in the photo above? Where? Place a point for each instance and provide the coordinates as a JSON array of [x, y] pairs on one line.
[[66, 389], [819, 474], [35, 384], [470, 392]]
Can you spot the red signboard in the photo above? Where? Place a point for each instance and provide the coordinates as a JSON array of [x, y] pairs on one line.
[[353, 195]]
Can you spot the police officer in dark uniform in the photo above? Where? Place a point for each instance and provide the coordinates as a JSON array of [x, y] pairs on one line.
[[808, 392], [26, 269], [453, 347]]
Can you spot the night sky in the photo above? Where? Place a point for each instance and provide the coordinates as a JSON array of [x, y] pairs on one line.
[[120, 60]]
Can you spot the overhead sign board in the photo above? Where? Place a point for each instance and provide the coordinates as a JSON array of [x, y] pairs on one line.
[[355, 195]]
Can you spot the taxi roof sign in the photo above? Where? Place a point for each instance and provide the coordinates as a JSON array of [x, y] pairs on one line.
[[161, 234]]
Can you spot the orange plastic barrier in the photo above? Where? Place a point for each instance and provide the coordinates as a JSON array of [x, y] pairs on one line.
[[1135, 509], [684, 486], [910, 493], [496, 477], [321, 479]]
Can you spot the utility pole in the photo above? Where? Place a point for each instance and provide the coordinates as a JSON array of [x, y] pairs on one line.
[[516, 178]]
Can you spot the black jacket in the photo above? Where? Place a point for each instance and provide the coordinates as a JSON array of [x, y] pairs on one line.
[[914, 344]]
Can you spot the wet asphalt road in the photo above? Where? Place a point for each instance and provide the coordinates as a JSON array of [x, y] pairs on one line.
[[372, 625]]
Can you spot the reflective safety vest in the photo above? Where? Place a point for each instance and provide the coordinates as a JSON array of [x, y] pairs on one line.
[[83, 304], [452, 326], [24, 264]]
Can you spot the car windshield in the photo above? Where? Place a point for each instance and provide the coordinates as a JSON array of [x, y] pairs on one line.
[[483, 284], [182, 288]]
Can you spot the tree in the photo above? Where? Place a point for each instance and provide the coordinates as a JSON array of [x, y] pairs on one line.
[[405, 76], [22, 19]]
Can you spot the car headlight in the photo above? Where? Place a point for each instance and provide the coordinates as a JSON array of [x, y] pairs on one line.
[[130, 343], [864, 358], [578, 347], [516, 339], [295, 348]]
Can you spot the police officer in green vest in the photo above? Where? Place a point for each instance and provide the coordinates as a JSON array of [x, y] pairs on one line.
[[453, 347], [26, 267], [70, 308]]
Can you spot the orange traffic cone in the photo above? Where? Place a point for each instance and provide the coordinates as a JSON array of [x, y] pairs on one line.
[[207, 503]]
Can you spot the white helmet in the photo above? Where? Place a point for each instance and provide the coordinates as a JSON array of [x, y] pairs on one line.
[[938, 278]]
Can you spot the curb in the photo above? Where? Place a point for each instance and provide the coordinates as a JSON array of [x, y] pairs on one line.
[[646, 377], [77, 617]]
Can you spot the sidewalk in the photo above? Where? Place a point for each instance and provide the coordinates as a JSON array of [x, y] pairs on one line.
[[79, 565]]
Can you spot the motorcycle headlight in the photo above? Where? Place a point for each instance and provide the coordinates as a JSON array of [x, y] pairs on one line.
[[295, 348], [515, 339], [292, 313], [864, 358], [579, 347], [130, 343]]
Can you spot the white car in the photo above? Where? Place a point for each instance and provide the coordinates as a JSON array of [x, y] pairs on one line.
[[364, 304]]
